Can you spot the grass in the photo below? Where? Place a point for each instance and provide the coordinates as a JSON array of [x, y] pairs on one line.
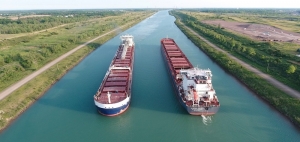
[[274, 71], [288, 106], [34, 42], [18, 101], [63, 26], [281, 23], [9, 36]]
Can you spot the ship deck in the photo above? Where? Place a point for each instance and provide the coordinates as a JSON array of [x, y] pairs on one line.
[[117, 81], [175, 57], [176, 60]]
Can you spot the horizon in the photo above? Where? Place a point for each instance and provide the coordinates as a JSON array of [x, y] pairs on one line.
[[144, 4], [147, 8]]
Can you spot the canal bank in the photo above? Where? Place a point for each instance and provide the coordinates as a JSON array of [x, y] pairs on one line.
[[277, 95], [18, 97], [66, 112]]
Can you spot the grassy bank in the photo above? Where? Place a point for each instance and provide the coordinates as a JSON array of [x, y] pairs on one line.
[[288, 106], [21, 56], [18, 101], [272, 58]]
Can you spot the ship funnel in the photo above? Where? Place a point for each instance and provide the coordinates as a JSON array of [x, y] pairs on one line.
[[108, 96]]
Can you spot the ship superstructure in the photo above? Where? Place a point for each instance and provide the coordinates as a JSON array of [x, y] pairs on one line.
[[114, 94], [193, 86]]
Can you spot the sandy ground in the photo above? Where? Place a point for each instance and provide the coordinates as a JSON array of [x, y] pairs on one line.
[[15, 86], [273, 81], [258, 31]]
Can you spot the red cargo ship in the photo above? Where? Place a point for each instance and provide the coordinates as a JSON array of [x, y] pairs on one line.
[[114, 94], [193, 86]]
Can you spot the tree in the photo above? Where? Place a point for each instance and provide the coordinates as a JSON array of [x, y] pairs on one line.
[[238, 45], [25, 59], [8, 59], [244, 48], [232, 44], [268, 61], [251, 51], [291, 69]]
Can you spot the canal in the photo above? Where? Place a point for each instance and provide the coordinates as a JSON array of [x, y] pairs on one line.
[[66, 112]]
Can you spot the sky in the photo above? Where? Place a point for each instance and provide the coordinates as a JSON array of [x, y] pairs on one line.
[[107, 4]]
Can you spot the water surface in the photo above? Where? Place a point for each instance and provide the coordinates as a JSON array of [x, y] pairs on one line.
[[67, 113]]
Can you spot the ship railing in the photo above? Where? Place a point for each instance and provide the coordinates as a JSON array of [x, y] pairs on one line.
[[208, 104]]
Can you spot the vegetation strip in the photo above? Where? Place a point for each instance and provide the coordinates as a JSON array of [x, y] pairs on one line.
[[31, 76], [19, 100], [271, 80], [288, 106], [19, 57], [273, 58]]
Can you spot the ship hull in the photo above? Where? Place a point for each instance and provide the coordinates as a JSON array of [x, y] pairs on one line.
[[114, 94], [193, 110], [113, 111]]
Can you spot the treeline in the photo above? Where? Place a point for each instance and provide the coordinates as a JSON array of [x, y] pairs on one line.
[[31, 24], [25, 25], [287, 105], [264, 11], [263, 54], [274, 14], [94, 12], [83, 12]]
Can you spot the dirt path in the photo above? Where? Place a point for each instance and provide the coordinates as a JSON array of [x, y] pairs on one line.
[[13, 87], [274, 82]]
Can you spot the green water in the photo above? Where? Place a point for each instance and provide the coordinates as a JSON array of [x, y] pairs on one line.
[[66, 113]]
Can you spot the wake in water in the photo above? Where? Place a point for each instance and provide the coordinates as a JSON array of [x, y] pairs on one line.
[[206, 119]]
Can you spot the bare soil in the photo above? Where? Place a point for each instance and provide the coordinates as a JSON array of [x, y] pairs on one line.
[[270, 79], [258, 31]]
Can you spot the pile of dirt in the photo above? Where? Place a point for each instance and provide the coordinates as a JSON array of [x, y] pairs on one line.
[[258, 31]]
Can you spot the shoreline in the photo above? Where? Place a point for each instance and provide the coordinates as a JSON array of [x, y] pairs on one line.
[[26, 79], [44, 91], [40, 95], [263, 98], [85, 48]]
